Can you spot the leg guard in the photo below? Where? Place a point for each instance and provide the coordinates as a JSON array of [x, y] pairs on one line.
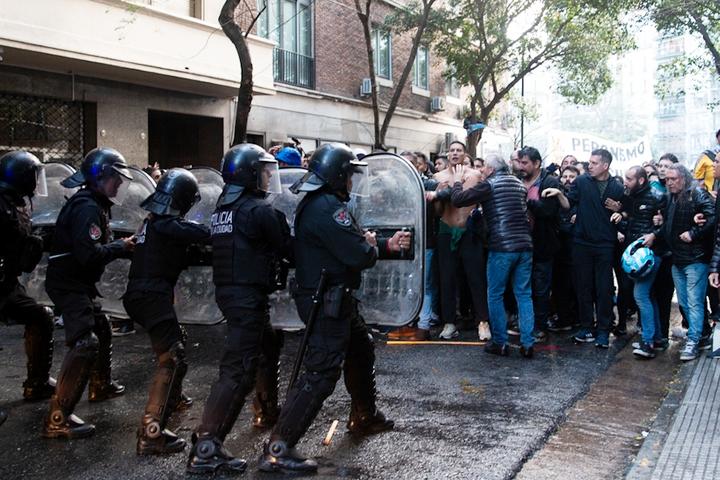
[[359, 374], [265, 404], [102, 386], [74, 374], [39, 350], [153, 438]]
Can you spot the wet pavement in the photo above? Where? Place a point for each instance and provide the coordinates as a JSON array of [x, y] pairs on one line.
[[460, 413]]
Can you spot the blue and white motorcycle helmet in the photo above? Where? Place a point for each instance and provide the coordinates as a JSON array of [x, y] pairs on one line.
[[637, 260]]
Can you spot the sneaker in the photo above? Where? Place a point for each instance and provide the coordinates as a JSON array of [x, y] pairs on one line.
[[540, 336], [679, 333], [123, 329], [526, 352], [705, 343], [602, 340], [585, 335], [690, 352], [449, 332], [661, 345], [554, 326], [643, 350], [495, 349], [484, 334], [619, 331]]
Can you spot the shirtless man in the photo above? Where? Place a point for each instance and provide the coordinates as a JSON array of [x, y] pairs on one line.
[[460, 247]]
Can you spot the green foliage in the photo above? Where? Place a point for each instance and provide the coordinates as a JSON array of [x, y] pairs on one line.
[[492, 44]]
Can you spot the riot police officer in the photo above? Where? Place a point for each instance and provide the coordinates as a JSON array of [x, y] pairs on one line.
[[21, 177], [82, 247], [159, 257], [327, 237], [249, 238]]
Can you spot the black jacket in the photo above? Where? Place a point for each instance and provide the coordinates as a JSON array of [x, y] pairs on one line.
[[641, 206], [546, 220], [20, 250], [83, 244], [503, 198], [678, 217], [328, 237], [160, 253], [592, 223]]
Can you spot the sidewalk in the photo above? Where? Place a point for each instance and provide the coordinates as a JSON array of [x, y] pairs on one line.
[[683, 442]]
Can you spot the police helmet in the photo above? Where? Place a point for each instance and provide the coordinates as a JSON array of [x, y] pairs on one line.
[[22, 173], [248, 167], [176, 192], [99, 164], [331, 164], [638, 260]]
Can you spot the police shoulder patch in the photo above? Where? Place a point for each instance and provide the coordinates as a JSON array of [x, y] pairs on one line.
[[95, 232], [342, 217]]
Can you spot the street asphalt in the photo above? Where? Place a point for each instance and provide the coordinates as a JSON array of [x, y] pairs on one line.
[[460, 413]]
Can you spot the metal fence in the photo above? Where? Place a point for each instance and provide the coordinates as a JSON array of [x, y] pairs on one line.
[[293, 68], [49, 128]]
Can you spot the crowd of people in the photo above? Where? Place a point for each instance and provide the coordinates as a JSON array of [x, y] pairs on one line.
[[518, 248]]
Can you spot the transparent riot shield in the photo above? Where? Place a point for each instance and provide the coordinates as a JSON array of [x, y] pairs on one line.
[[125, 221], [44, 215], [195, 291], [391, 292]]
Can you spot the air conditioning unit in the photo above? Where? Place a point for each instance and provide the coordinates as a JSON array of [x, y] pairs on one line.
[[366, 87], [437, 104]]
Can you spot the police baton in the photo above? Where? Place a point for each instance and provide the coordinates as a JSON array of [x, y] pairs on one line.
[[314, 310]]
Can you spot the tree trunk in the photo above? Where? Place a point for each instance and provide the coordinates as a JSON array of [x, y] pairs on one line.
[[244, 103], [364, 16]]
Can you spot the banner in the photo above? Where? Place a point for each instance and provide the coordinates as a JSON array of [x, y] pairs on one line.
[[625, 154]]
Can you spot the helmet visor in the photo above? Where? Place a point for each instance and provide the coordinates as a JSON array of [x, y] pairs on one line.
[[359, 181], [269, 177], [41, 189], [115, 187]]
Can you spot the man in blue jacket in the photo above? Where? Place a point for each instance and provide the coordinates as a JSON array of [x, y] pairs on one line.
[[595, 236]]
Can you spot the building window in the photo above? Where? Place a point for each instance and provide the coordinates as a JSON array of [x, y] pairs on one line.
[[289, 24], [184, 8], [452, 87], [420, 69], [382, 48]]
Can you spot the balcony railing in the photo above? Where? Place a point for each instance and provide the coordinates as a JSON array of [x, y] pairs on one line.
[[293, 68]]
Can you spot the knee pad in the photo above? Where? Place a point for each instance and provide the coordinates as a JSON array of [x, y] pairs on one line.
[[86, 346], [175, 359]]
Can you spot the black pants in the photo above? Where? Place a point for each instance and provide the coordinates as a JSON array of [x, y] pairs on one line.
[[336, 345], [563, 289], [471, 253], [16, 305], [625, 291], [81, 314], [593, 273]]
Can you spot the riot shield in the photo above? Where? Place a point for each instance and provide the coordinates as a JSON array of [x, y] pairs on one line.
[[391, 292], [195, 291], [44, 215], [125, 220]]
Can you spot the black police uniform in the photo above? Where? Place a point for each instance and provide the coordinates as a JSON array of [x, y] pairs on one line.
[[249, 237], [328, 237], [160, 255], [82, 247], [20, 251]]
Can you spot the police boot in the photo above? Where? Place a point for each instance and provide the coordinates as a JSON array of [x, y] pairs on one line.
[[265, 404], [39, 349], [74, 373], [102, 386], [153, 437], [278, 457], [209, 456], [365, 418]]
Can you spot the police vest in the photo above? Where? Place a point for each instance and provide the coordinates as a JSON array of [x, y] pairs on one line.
[[241, 256], [158, 258]]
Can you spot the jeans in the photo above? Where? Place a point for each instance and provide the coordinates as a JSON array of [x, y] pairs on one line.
[[691, 285], [593, 270], [516, 266], [541, 282], [663, 289], [426, 314], [648, 305]]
